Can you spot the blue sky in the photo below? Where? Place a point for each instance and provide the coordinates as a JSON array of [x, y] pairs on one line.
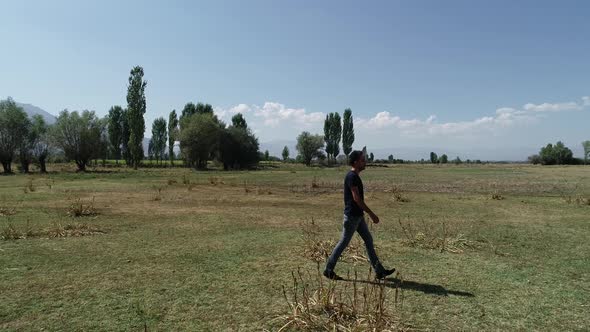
[[487, 80]]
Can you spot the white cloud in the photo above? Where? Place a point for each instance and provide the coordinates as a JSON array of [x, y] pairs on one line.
[[547, 107], [275, 114], [274, 120], [241, 108], [504, 117]]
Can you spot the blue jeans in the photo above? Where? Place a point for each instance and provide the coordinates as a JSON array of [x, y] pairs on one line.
[[353, 224]]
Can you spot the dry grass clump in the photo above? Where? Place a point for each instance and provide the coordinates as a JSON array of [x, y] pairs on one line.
[[263, 191], [158, 194], [496, 196], [215, 180], [314, 182], [10, 232], [579, 200], [397, 195], [318, 250], [4, 211], [316, 304], [29, 187], [171, 182], [72, 230], [444, 237], [79, 208]]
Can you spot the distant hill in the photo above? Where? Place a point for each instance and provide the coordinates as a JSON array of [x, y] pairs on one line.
[[33, 110]]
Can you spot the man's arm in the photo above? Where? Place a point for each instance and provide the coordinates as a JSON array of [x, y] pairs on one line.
[[361, 203]]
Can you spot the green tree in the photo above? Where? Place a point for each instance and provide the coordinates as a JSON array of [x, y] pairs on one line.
[[347, 132], [433, 158], [125, 131], [14, 125], [336, 134], [78, 135], [390, 159], [547, 155], [26, 145], [151, 149], [136, 107], [563, 155], [535, 159], [266, 155], [309, 146], [199, 138], [159, 138], [204, 109], [238, 121], [457, 161], [285, 153], [557, 154], [172, 135], [238, 148], [115, 130], [188, 110], [42, 144], [371, 157], [444, 159], [586, 145], [332, 135]]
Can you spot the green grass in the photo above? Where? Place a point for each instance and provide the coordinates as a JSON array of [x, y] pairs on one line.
[[214, 255]]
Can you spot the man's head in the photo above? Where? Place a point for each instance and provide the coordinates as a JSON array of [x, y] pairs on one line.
[[356, 159]]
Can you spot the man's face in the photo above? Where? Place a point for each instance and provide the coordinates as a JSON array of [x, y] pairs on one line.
[[361, 163]]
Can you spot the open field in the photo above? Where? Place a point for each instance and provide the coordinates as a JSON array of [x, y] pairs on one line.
[[487, 247]]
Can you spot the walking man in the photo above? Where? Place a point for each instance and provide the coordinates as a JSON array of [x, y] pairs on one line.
[[354, 220]]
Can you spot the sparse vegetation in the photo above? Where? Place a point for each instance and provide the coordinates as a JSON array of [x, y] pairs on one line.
[[315, 304], [230, 248], [81, 208]]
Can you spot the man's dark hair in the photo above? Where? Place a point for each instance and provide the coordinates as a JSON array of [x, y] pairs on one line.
[[354, 156]]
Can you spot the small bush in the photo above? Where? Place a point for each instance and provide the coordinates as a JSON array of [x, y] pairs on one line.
[[172, 182], [215, 180], [9, 232], [72, 230], [263, 191], [4, 211], [79, 208], [496, 196], [443, 238], [579, 200], [158, 195], [318, 305], [397, 196], [314, 183]]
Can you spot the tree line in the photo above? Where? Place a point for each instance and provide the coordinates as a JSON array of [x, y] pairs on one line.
[[82, 136], [315, 146]]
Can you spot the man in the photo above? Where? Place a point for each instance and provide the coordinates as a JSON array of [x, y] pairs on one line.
[[354, 220]]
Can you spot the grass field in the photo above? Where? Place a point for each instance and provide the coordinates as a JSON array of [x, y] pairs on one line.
[[487, 247]]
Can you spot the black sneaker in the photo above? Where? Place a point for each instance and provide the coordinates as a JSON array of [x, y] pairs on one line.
[[332, 275], [384, 273]]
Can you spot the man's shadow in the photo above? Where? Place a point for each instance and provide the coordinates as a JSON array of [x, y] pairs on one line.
[[416, 286]]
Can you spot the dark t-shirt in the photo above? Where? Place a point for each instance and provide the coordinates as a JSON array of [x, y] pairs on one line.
[[350, 207]]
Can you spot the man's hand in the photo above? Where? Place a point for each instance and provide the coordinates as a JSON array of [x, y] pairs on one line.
[[374, 218]]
